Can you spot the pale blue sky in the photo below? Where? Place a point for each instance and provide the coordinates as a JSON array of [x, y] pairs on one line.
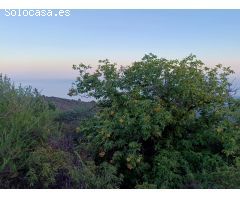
[[41, 50]]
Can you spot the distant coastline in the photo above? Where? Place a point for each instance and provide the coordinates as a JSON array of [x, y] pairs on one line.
[[59, 88]]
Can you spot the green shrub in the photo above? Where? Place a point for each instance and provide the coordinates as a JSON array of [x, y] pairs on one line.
[[33, 151], [103, 176], [45, 165], [162, 123], [26, 123]]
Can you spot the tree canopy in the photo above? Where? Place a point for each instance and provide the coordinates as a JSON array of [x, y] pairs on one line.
[[163, 123]]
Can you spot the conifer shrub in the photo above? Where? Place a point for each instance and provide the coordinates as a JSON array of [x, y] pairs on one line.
[[26, 123], [35, 153]]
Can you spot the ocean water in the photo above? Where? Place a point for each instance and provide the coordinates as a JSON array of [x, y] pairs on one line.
[[56, 88], [60, 88]]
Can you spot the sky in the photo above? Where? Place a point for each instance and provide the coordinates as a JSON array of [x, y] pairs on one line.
[[40, 51]]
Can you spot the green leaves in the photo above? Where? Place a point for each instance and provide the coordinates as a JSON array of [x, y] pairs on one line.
[[156, 110], [26, 122]]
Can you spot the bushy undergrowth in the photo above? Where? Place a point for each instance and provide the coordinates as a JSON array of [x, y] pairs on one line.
[[33, 151], [74, 115], [25, 125]]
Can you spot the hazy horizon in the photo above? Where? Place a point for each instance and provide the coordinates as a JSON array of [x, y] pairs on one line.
[[40, 51]]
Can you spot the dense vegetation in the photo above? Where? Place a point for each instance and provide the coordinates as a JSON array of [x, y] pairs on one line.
[[34, 153], [163, 123], [156, 124]]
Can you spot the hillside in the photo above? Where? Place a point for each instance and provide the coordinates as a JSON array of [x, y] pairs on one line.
[[71, 113], [68, 104]]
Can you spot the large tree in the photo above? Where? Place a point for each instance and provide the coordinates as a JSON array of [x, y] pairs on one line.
[[163, 123]]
